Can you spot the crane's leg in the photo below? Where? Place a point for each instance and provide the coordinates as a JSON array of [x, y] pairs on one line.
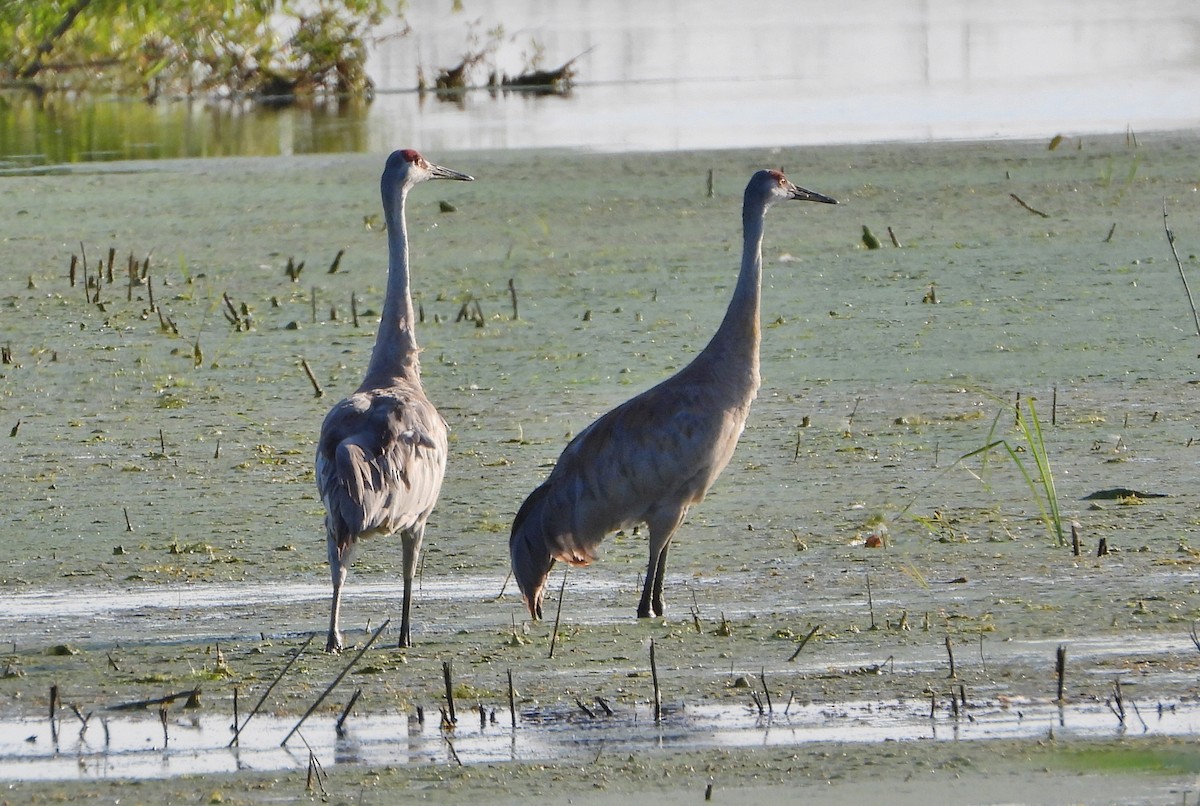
[[412, 552], [662, 529], [339, 566]]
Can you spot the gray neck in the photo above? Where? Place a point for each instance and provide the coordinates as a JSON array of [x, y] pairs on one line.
[[395, 353], [736, 340]]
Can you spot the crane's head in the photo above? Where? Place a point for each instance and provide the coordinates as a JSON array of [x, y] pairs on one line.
[[768, 187], [531, 559], [407, 168]]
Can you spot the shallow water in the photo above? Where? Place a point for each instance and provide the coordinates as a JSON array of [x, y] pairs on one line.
[[117, 747]]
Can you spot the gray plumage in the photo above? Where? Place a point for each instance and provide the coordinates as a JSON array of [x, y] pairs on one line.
[[654, 456], [382, 451]]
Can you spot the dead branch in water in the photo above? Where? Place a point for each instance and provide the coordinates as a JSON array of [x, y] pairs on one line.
[[558, 80]]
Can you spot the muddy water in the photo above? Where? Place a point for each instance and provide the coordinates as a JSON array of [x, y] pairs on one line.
[[202, 435]]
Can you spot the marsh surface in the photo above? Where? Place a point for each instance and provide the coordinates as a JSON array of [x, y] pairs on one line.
[[163, 533]]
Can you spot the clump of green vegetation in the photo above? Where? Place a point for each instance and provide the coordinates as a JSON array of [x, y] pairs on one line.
[[1030, 428], [185, 48]]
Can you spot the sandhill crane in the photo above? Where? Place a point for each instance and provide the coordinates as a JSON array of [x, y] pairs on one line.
[[654, 456], [382, 452]]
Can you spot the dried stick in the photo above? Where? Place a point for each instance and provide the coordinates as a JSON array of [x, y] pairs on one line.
[[317, 390], [267, 693], [804, 642], [654, 679], [950, 654], [1060, 668], [1179, 265], [512, 701], [870, 603], [336, 680], [1021, 202], [340, 726], [447, 677]]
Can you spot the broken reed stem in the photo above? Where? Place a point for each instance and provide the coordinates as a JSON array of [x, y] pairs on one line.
[[128, 525], [238, 729], [1179, 265], [654, 679], [558, 613], [512, 701], [337, 680], [1054, 407], [1060, 669], [354, 308], [762, 675], [337, 259], [709, 184], [870, 603], [950, 654], [448, 679], [341, 723], [1075, 549], [895, 240], [317, 390], [512, 292], [804, 641]]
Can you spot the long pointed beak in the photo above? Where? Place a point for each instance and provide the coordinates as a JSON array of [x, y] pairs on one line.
[[439, 172], [803, 194]]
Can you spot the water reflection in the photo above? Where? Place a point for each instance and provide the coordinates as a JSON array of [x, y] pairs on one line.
[[141, 747], [52, 131], [693, 75]]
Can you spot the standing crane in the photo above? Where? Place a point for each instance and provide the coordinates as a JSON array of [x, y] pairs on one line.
[[654, 456], [382, 452]]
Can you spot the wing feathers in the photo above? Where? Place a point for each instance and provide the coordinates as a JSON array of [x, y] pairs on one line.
[[380, 463]]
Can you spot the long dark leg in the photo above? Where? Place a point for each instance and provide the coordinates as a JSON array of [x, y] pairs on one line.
[[412, 552], [339, 566], [657, 601], [661, 531]]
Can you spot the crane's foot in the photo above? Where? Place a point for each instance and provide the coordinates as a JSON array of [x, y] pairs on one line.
[[334, 645]]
